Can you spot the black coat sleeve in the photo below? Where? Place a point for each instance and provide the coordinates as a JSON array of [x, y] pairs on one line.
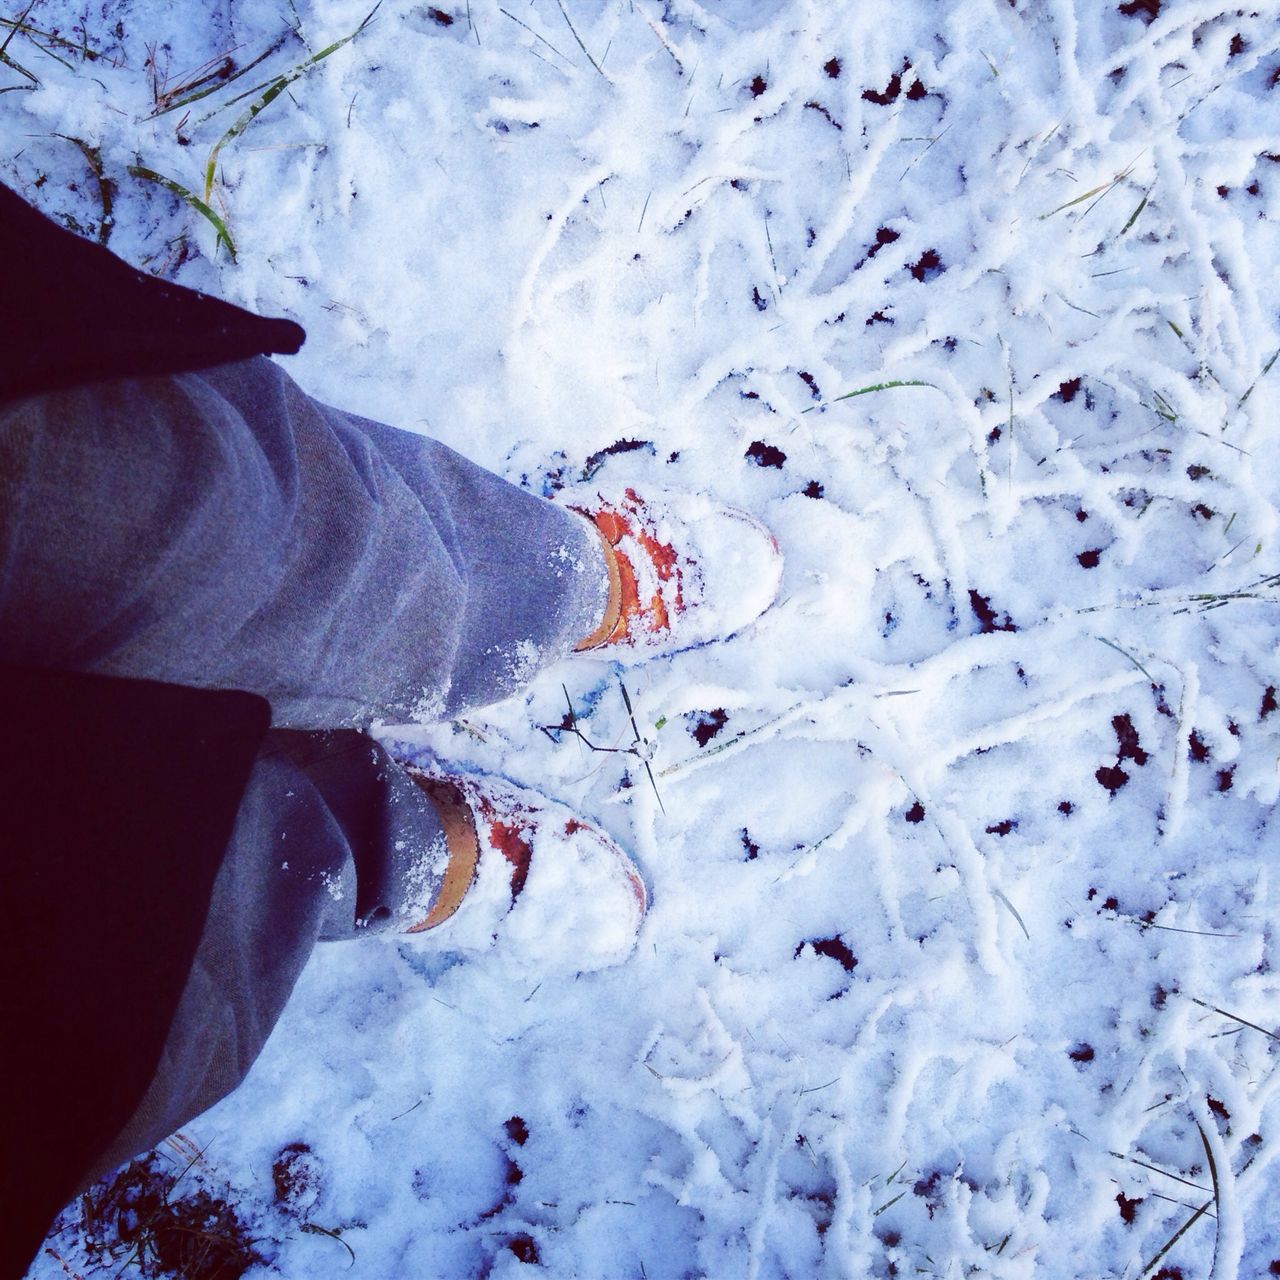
[[117, 800], [71, 313]]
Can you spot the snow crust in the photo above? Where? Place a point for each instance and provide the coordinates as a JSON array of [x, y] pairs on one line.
[[965, 845]]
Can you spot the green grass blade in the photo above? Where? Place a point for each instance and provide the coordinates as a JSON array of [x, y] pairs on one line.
[[1213, 1164], [578, 38], [21, 70], [1077, 200], [177, 189], [874, 387], [1177, 1235], [19, 24], [1266, 369], [866, 391], [106, 188], [15, 27], [274, 90], [1133, 217], [1124, 653], [884, 386], [195, 92]]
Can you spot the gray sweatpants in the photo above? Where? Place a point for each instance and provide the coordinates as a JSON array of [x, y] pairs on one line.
[[224, 530]]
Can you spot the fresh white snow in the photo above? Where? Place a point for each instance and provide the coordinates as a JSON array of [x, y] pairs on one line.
[[979, 839]]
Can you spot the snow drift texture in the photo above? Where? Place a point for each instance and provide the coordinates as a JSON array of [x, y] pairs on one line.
[[964, 847]]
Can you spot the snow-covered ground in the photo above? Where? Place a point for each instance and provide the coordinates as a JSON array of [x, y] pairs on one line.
[[962, 957]]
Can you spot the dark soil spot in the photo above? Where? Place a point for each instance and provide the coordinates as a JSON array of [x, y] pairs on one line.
[[765, 455], [883, 236], [834, 948], [760, 301], [1089, 559], [1274, 1268], [988, 620], [1111, 778], [878, 317], [525, 1247], [196, 1237], [517, 1130], [928, 266], [832, 68], [1218, 1109], [1082, 515], [1147, 10], [1226, 777], [1205, 513], [1197, 747], [1158, 997], [1238, 46], [1197, 472], [812, 383], [1002, 828], [439, 15], [1066, 391], [1111, 904], [709, 723], [813, 490], [915, 813], [1127, 738], [929, 1189], [1081, 1053], [1066, 807], [1128, 1207], [993, 435], [749, 846], [1269, 703], [917, 91], [1169, 1273], [296, 1175], [758, 86], [889, 95], [1223, 192], [598, 459], [822, 111]]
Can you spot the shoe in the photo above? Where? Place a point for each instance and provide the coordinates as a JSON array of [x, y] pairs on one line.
[[529, 879], [683, 571]]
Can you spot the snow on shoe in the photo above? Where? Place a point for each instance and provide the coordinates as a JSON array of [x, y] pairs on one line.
[[549, 893], [684, 571]]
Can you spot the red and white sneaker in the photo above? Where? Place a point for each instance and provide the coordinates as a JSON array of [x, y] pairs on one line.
[[529, 877], [683, 571]]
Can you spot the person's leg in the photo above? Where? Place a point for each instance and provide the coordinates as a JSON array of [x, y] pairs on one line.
[[223, 529], [333, 840]]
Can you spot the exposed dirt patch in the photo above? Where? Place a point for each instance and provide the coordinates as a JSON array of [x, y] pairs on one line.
[[988, 618], [144, 1217], [765, 455], [708, 724]]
